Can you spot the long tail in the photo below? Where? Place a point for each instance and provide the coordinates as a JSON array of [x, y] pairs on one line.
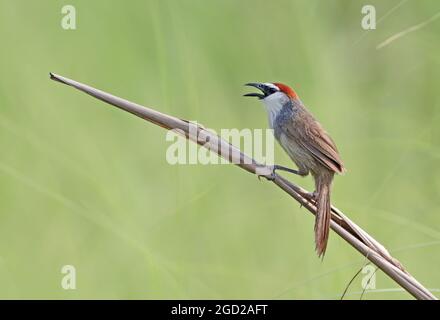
[[323, 217]]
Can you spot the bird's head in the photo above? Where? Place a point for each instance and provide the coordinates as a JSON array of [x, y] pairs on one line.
[[272, 91], [275, 96]]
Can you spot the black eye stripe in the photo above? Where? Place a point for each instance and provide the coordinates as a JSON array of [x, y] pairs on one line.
[[271, 90]]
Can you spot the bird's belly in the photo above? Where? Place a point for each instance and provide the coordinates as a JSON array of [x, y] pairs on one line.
[[298, 154]]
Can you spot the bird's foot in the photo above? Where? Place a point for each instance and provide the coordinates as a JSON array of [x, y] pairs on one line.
[[312, 195], [269, 177], [267, 172]]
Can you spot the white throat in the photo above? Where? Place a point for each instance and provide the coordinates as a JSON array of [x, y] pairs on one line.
[[274, 104]]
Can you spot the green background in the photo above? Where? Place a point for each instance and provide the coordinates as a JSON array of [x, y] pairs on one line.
[[88, 185]]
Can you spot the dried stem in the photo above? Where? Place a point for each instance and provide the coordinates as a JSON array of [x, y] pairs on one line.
[[340, 224]]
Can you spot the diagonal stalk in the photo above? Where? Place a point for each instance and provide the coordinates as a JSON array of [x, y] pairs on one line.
[[341, 224]]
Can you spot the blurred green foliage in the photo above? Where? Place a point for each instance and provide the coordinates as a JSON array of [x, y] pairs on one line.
[[88, 185]]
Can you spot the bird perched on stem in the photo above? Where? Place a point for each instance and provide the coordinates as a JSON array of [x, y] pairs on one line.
[[307, 144]]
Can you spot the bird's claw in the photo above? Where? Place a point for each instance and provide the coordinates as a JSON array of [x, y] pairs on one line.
[[269, 177], [266, 172], [309, 196], [312, 195]]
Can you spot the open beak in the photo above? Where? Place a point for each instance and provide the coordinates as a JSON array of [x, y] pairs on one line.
[[261, 86]]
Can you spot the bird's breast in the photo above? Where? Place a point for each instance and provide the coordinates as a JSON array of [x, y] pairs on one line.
[[274, 105], [296, 152], [290, 139], [283, 118]]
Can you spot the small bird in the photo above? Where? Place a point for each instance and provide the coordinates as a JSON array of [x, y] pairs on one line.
[[307, 144]]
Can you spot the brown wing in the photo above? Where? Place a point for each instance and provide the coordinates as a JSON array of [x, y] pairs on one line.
[[310, 135]]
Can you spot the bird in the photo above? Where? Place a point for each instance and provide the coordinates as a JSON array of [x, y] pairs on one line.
[[309, 146]]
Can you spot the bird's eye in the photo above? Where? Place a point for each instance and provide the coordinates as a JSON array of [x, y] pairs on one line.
[[271, 91]]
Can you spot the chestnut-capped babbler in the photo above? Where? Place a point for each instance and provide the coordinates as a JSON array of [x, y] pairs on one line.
[[307, 144]]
